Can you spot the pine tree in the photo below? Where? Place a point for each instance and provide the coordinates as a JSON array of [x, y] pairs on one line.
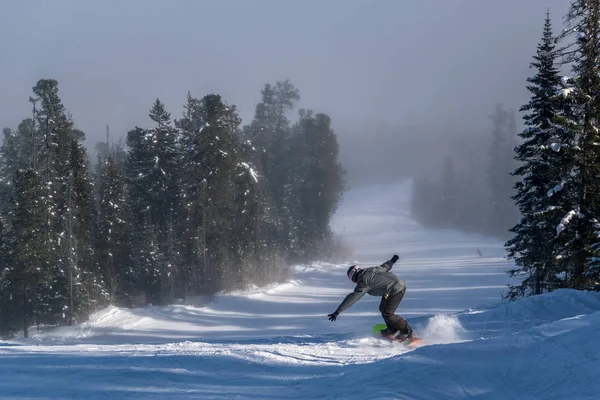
[[164, 191], [266, 229], [13, 156], [113, 233], [18, 281], [86, 283], [318, 182], [51, 161], [270, 134], [192, 192], [144, 247], [532, 247], [150, 174], [577, 241], [28, 272], [211, 158], [8, 306], [218, 156], [245, 224]]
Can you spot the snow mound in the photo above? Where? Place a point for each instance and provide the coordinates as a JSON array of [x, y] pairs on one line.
[[529, 312]]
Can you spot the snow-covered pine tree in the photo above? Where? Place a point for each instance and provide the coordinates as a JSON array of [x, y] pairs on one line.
[[270, 133], [577, 241], [51, 161], [219, 144], [210, 145], [14, 155], [50, 147], [28, 272], [9, 166], [244, 244], [152, 173], [532, 245], [19, 188], [145, 271], [191, 192], [164, 192], [8, 304], [86, 282], [264, 267], [112, 237]]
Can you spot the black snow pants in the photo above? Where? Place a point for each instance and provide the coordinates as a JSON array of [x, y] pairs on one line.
[[389, 304]]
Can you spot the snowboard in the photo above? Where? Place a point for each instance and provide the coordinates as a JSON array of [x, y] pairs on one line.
[[379, 327]]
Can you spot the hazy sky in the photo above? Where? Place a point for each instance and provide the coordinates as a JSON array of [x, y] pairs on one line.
[[378, 63]]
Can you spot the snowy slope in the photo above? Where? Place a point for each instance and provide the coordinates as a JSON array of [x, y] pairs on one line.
[[276, 343]]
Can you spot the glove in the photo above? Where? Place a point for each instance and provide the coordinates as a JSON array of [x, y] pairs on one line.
[[333, 316], [395, 258]]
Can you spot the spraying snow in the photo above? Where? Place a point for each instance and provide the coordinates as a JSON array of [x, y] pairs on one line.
[[443, 329]]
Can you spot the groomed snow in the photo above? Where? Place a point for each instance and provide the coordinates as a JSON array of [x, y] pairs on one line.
[[277, 343]]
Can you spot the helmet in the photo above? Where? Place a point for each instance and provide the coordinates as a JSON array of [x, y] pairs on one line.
[[353, 273]]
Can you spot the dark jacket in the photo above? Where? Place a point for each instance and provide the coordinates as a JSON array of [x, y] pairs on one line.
[[376, 281]]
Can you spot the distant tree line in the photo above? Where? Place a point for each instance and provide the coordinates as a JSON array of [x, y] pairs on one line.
[[186, 207], [473, 188], [555, 239]]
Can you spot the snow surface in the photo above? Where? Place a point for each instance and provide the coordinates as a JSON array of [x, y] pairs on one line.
[[277, 343]]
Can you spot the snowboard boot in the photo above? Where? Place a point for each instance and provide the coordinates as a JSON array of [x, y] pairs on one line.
[[387, 332], [401, 337]]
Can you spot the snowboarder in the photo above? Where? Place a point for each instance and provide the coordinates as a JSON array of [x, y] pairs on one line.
[[379, 281]]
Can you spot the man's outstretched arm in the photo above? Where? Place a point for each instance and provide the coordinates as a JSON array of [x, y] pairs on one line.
[[350, 299], [386, 266]]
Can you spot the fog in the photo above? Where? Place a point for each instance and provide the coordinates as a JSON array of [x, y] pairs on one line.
[[400, 80]]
